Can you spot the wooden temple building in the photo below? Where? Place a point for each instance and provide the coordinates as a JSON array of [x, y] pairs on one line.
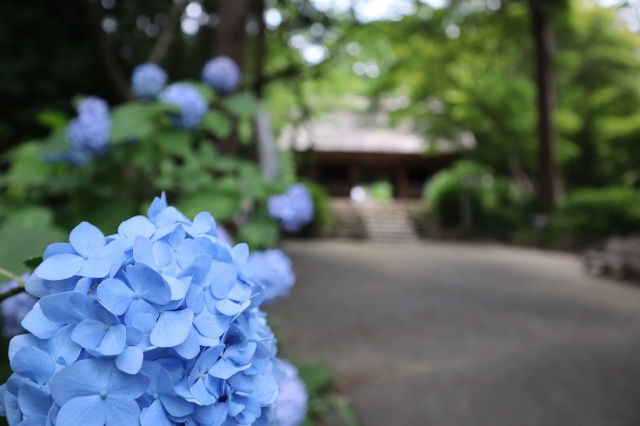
[[340, 151]]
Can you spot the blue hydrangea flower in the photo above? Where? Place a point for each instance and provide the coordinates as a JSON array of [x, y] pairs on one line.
[[148, 80], [89, 131], [272, 269], [222, 73], [291, 405], [191, 104], [15, 308], [293, 209], [158, 324]]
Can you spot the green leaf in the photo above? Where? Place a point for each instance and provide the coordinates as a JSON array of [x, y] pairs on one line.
[[242, 105], [204, 89], [55, 120], [260, 233], [221, 206], [132, 120], [317, 379], [217, 123], [245, 131], [174, 142], [17, 244], [32, 262]]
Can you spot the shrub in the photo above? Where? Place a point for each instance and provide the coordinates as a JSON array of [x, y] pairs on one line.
[[591, 214], [449, 189]]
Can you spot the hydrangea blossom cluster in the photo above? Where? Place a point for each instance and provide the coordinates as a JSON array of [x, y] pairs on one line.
[[89, 131], [293, 209], [189, 101], [158, 324], [15, 308], [292, 400], [272, 269], [148, 80], [222, 73]]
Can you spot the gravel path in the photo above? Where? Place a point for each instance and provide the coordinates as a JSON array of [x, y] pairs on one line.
[[465, 334]]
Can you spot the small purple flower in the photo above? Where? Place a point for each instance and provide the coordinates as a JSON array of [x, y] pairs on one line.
[[148, 80], [15, 308], [222, 73], [272, 269], [291, 405], [293, 209], [191, 104]]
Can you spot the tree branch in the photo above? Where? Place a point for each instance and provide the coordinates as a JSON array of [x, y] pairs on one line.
[[166, 36], [103, 50]]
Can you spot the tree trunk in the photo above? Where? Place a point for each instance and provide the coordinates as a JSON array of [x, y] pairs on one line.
[[543, 37], [231, 41], [231, 35]]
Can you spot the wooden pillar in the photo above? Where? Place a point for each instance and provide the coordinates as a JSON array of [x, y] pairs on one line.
[[401, 182]]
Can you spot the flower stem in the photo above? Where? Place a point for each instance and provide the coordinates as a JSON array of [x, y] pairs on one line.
[[13, 291], [13, 277], [10, 293]]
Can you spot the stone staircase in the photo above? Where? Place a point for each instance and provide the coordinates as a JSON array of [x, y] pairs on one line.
[[379, 221]]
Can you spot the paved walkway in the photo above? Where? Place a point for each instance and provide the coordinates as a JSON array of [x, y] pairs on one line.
[[455, 334]]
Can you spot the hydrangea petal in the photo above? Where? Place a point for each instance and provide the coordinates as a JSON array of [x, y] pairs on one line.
[[148, 284], [113, 342], [122, 412], [83, 411], [154, 415], [89, 333], [71, 382], [127, 386], [175, 406], [58, 248], [190, 348], [115, 295], [224, 369], [63, 349], [136, 226], [59, 267], [139, 307], [211, 325], [172, 328], [34, 364], [66, 308], [211, 415], [222, 276], [33, 401], [95, 267], [86, 239], [38, 324]]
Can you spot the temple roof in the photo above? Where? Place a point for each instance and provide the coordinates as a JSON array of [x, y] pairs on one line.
[[351, 132]]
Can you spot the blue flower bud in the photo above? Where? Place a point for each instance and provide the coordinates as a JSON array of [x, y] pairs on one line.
[[222, 73], [294, 209], [148, 80], [190, 102], [89, 131]]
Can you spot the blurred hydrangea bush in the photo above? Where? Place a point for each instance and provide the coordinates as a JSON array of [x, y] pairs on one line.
[[158, 324], [168, 139], [273, 270], [293, 398]]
